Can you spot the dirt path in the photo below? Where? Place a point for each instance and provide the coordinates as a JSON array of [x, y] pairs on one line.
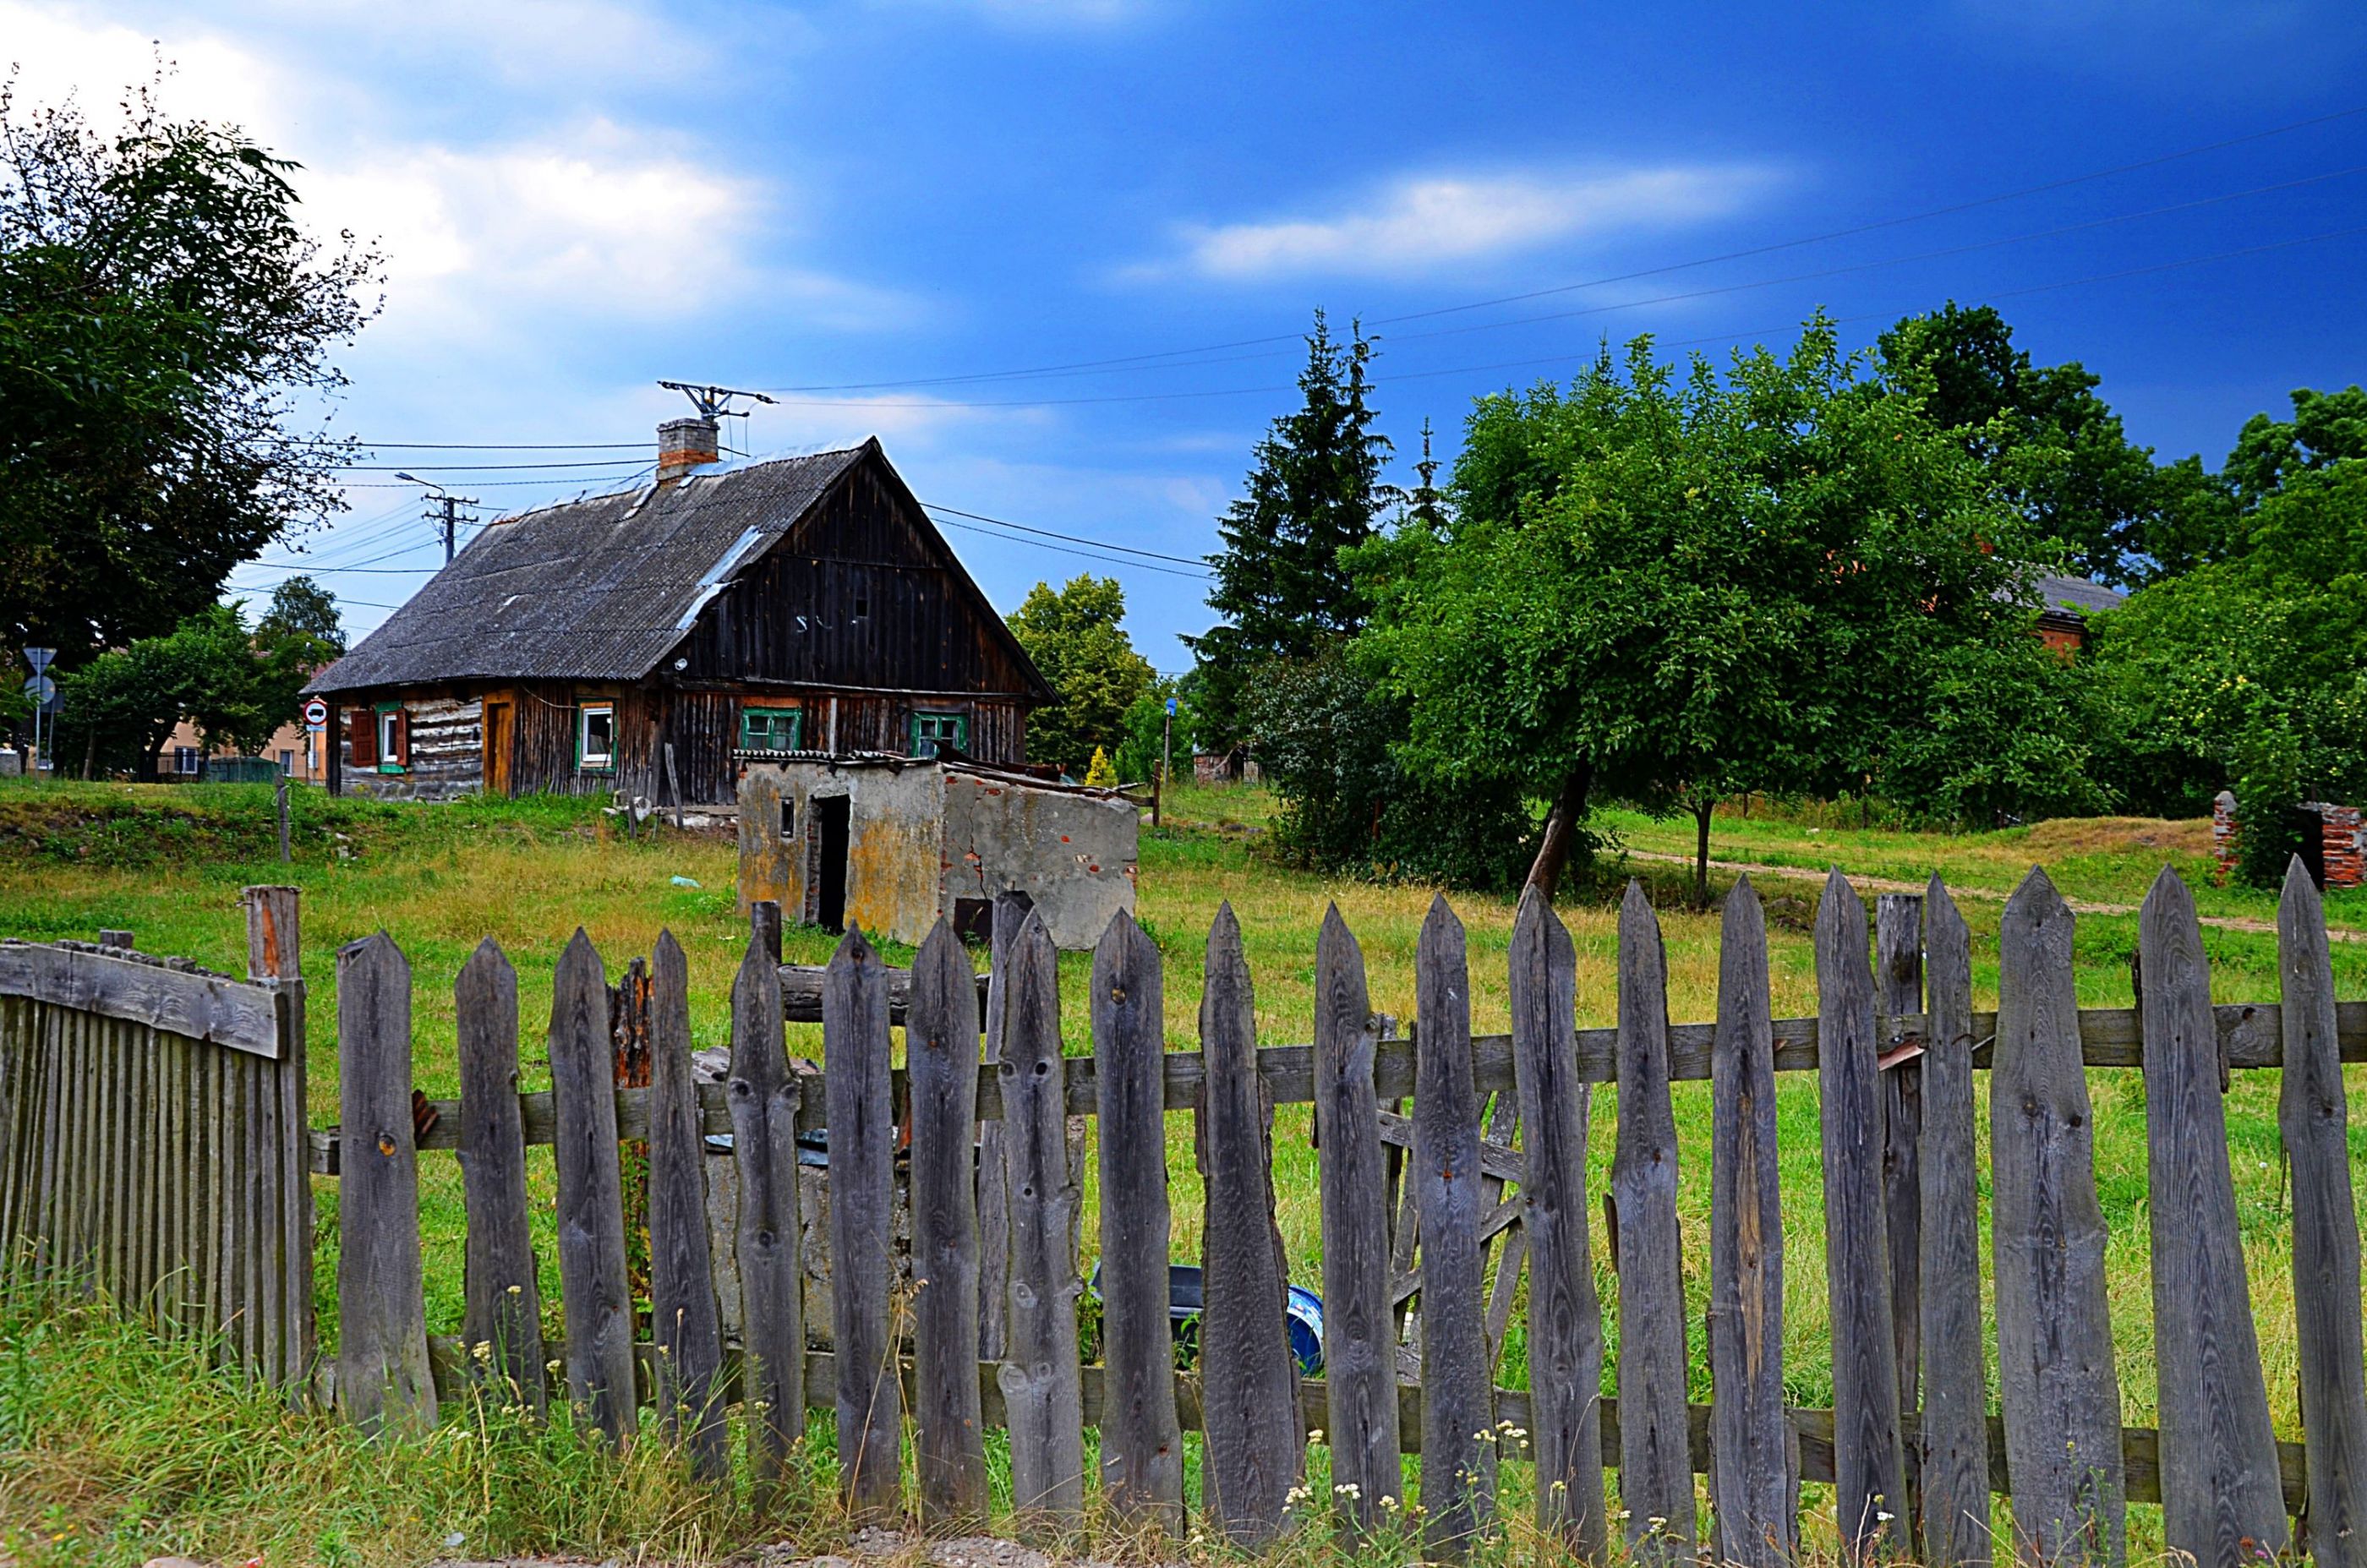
[[1886, 884]]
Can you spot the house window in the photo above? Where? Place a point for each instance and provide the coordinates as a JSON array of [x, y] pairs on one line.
[[596, 737], [185, 759], [931, 730], [287, 761], [771, 730], [393, 738]]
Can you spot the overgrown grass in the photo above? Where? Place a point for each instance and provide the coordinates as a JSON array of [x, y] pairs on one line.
[[528, 872]]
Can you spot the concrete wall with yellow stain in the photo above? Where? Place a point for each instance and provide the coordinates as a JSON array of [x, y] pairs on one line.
[[923, 838], [1071, 852]]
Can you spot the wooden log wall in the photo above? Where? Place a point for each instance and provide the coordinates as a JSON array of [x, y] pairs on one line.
[[153, 1142], [2228, 1485]]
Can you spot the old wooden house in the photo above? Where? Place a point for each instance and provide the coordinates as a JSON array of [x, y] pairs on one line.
[[801, 605]]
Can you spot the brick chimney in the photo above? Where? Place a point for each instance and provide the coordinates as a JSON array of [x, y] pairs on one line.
[[683, 445]]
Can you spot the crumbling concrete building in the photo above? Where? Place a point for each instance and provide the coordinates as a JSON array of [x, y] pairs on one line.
[[894, 843]]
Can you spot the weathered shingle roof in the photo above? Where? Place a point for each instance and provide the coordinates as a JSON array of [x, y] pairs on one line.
[[590, 590], [2076, 594]]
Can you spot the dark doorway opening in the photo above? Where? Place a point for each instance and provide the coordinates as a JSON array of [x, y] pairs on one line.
[[830, 817]]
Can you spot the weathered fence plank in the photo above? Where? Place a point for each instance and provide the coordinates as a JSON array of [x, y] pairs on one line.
[[1249, 1383], [1656, 1483], [2313, 1115], [1458, 1482], [1870, 1492], [1754, 1461], [503, 1310], [1564, 1316], [1039, 1377], [2057, 1384], [1953, 1443], [862, 1210], [1142, 1439], [940, 1045], [1360, 1338], [107, 984], [2220, 1498], [593, 1289], [993, 1204], [1899, 993], [383, 1381], [686, 1321], [767, 1234]]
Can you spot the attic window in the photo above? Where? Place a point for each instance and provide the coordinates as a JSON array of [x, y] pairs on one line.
[[862, 606], [595, 736]]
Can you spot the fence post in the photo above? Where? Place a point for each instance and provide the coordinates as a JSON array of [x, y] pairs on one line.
[[862, 1205], [593, 1286], [2056, 1385], [993, 1204], [1867, 1459], [502, 1330], [1565, 1314], [1249, 1383], [764, 1098], [1042, 1385], [686, 1323], [1899, 993], [2313, 1115], [2221, 1499], [941, 1054], [1754, 1452], [274, 957], [1954, 1478], [1142, 1442], [382, 1374], [1656, 1470]]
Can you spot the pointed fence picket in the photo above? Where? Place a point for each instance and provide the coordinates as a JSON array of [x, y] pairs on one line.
[[140, 1159]]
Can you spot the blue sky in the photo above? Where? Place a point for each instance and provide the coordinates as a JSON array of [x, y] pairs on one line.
[[856, 205]]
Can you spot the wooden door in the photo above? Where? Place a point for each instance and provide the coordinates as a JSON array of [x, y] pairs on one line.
[[498, 746]]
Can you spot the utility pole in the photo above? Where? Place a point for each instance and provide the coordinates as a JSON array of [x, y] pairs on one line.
[[443, 510]]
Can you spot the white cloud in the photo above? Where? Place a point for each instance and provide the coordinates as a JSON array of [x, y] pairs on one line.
[[1420, 223]]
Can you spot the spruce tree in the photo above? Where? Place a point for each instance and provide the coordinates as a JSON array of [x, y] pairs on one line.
[[1316, 489]]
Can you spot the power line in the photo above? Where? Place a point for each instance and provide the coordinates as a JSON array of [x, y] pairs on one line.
[[1089, 555], [1848, 233], [1072, 538], [478, 467]]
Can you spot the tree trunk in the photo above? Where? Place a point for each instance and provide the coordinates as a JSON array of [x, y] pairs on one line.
[[1561, 831], [1701, 810]]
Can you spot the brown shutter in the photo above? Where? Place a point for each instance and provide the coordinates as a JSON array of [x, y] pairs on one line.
[[361, 734], [402, 757]]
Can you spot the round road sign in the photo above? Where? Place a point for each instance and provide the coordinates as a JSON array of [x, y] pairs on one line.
[[316, 714]]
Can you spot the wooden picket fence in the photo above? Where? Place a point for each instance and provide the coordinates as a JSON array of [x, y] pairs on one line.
[[1910, 1447], [152, 1136]]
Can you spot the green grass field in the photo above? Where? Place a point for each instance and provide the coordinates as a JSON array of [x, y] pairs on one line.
[[168, 866]]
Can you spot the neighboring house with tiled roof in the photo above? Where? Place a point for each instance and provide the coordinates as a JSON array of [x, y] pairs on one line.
[[2066, 605], [806, 604]]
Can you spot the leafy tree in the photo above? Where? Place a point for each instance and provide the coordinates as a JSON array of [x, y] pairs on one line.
[[1145, 729], [2056, 450], [2327, 428], [301, 607], [2249, 673], [1670, 590], [1076, 638], [162, 317], [120, 708], [1316, 489]]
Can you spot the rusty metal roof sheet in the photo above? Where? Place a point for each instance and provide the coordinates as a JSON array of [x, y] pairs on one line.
[[592, 589]]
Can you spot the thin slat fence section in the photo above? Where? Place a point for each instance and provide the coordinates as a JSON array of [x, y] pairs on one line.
[[940, 1049], [2221, 1501], [1565, 1314], [1869, 1493], [2056, 1384], [862, 1203], [1458, 1417], [767, 1237], [1952, 1440], [1899, 993], [1656, 1472], [383, 1381], [594, 1289], [1360, 1338], [1040, 1380], [504, 1302], [1754, 1459], [1142, 1438], [2311, 1114], [1249, 1378], [686, 1321]]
